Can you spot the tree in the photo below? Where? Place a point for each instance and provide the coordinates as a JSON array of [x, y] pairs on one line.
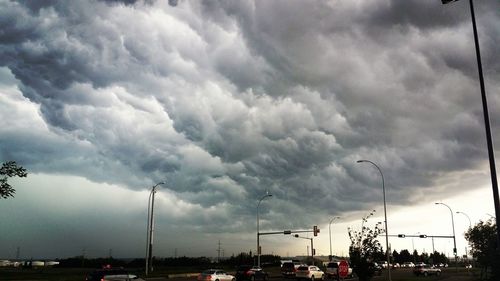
[[405, 256], [364, 251], [9, 169], [482, 239]]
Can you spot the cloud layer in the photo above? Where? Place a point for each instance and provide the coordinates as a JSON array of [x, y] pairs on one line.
[[226, 100]]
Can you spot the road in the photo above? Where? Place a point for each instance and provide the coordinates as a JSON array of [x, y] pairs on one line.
[[397, 274]]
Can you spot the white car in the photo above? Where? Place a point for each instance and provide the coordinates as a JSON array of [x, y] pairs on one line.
[[310, 272], [111, 274], [215, 275]]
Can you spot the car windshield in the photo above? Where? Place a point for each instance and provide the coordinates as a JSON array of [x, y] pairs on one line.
[[208, 272]]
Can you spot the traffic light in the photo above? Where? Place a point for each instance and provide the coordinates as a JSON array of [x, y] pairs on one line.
[[423, 236], [401, 235], [315, 230], [287, 232]]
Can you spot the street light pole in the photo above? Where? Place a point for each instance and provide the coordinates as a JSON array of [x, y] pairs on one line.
[[470, 222], [470, 227], [258, 234], [330, 232], [312, 246], [489, 141], [454, 240], [385, 217], [149, 249]]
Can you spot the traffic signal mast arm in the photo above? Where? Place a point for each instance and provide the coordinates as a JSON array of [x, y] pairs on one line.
[[315, 231], [420, 236]]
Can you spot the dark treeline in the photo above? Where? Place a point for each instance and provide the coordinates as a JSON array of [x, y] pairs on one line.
[[415, 257], [231, 262], [196, 262]]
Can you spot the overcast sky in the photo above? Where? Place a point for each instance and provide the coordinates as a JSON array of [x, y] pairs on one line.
[[228, 100]]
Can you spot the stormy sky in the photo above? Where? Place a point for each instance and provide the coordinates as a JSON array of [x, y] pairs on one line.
[[227, 100]]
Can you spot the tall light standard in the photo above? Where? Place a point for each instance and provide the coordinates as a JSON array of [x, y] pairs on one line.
[[258, 234], [385, 217], [470, 222], [453, 226], [330, 232], [489, 141], [470, 227], [150, 228]]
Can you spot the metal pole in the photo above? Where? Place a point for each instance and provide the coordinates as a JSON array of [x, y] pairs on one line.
[[470, 227], [491, 151], [151, 229], [147, 235], [330, 232], [312, 251], [454, 239], [385, 217], [258, 234]]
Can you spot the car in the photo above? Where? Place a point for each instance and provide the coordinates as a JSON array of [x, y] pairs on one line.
[[111, 274], [252, 273], [310, 272], [408, 264], [288, 269], [215, 275], [426, 270], [332, 269]]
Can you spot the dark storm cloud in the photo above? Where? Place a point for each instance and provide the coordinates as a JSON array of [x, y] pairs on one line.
[[229, 99]]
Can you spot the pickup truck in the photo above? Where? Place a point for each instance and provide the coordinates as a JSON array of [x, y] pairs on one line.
[[426, 270]]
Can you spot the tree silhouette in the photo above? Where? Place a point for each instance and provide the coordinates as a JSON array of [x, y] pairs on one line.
[[365, 249], [483, 241], [10, 169]]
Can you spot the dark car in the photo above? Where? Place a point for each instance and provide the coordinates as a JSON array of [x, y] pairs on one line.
[[288, 269], [248, 272]]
